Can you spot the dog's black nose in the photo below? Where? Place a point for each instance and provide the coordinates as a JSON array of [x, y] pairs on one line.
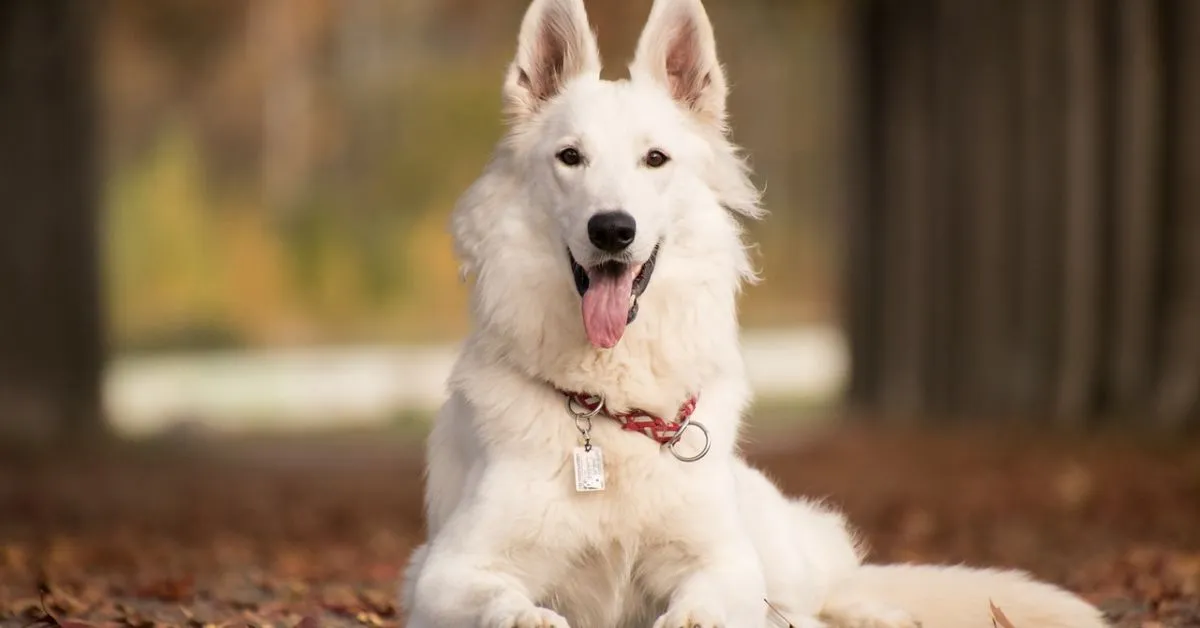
[[612, 232]]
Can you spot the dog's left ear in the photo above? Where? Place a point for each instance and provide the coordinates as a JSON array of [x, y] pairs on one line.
[[677, 50]]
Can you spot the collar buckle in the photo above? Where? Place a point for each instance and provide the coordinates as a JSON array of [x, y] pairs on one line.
[[670, 445]]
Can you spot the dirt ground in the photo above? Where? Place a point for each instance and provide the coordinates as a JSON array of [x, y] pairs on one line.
[[314, 531]]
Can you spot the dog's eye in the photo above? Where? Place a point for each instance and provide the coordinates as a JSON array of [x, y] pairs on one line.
[[656, 158], [570, 157]]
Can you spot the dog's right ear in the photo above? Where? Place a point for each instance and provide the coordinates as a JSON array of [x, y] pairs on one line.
[[555, 45]]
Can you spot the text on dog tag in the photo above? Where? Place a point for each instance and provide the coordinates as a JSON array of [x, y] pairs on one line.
[[589, 469]]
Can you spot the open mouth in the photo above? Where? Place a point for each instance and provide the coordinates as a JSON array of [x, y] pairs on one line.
[[610, 291]]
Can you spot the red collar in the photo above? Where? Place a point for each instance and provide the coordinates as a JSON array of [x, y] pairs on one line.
[[657, 428]]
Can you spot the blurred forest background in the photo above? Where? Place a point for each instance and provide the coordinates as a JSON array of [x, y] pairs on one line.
[[982, 209], [267, 188]]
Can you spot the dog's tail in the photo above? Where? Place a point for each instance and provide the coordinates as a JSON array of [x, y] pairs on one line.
[[962, 597]]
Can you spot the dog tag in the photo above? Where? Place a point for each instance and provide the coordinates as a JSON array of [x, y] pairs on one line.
[[589, 469]]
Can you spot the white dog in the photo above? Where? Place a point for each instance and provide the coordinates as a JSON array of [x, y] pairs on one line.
[[584, 470]]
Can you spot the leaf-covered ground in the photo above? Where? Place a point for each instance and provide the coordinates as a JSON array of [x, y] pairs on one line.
[[315, 531]]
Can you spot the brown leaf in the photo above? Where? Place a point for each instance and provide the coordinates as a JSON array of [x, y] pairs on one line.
[[308, 621], [29, 608], [130, 617], [381, 602], [44, 592], [1074, 485], [341, 599], [170, 590], [64, 602], [190, 618], [998, 617]]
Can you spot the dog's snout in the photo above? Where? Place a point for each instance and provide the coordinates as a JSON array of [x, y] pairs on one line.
[[612, 231]]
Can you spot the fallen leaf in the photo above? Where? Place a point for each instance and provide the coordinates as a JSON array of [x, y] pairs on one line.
[[341, 599], [998, 617], [25, 607], [170, 589], [381, 602]]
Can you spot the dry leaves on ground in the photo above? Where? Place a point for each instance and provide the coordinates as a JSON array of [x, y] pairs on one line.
[[316, 533]]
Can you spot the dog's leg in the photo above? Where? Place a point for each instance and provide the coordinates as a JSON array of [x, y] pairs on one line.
[[707, 569], [462, 589], [508, 610], [486, 566], [725, 591]]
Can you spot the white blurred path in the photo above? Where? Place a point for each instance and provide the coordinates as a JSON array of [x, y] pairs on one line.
[[304, 388]]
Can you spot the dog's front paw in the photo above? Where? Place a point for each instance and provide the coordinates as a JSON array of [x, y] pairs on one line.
[[534, 618], [689, 618]]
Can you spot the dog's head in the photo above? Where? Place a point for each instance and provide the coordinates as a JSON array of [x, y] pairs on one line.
[[619, 171]]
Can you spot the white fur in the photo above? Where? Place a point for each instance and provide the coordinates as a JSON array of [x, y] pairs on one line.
[[668, 544]]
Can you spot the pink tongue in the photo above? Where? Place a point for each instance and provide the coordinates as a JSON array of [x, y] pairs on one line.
[[606, 306]]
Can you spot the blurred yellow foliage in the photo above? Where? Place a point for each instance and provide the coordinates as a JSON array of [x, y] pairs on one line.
[[286, 177]]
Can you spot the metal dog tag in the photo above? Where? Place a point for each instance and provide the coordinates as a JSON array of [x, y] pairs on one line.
[[589, 469]]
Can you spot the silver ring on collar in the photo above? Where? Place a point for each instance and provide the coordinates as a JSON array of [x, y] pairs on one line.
[[675, 441], [585, 414]]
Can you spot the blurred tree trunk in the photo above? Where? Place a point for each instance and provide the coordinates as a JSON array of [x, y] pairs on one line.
[[1178, 387], [1025, 236], [1083, 199], [50, 317]]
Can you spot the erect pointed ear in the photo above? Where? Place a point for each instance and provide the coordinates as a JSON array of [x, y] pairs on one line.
[[677, 50], [555, 45]]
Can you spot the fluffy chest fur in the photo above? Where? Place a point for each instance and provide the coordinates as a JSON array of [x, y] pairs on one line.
[[592, 549]]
